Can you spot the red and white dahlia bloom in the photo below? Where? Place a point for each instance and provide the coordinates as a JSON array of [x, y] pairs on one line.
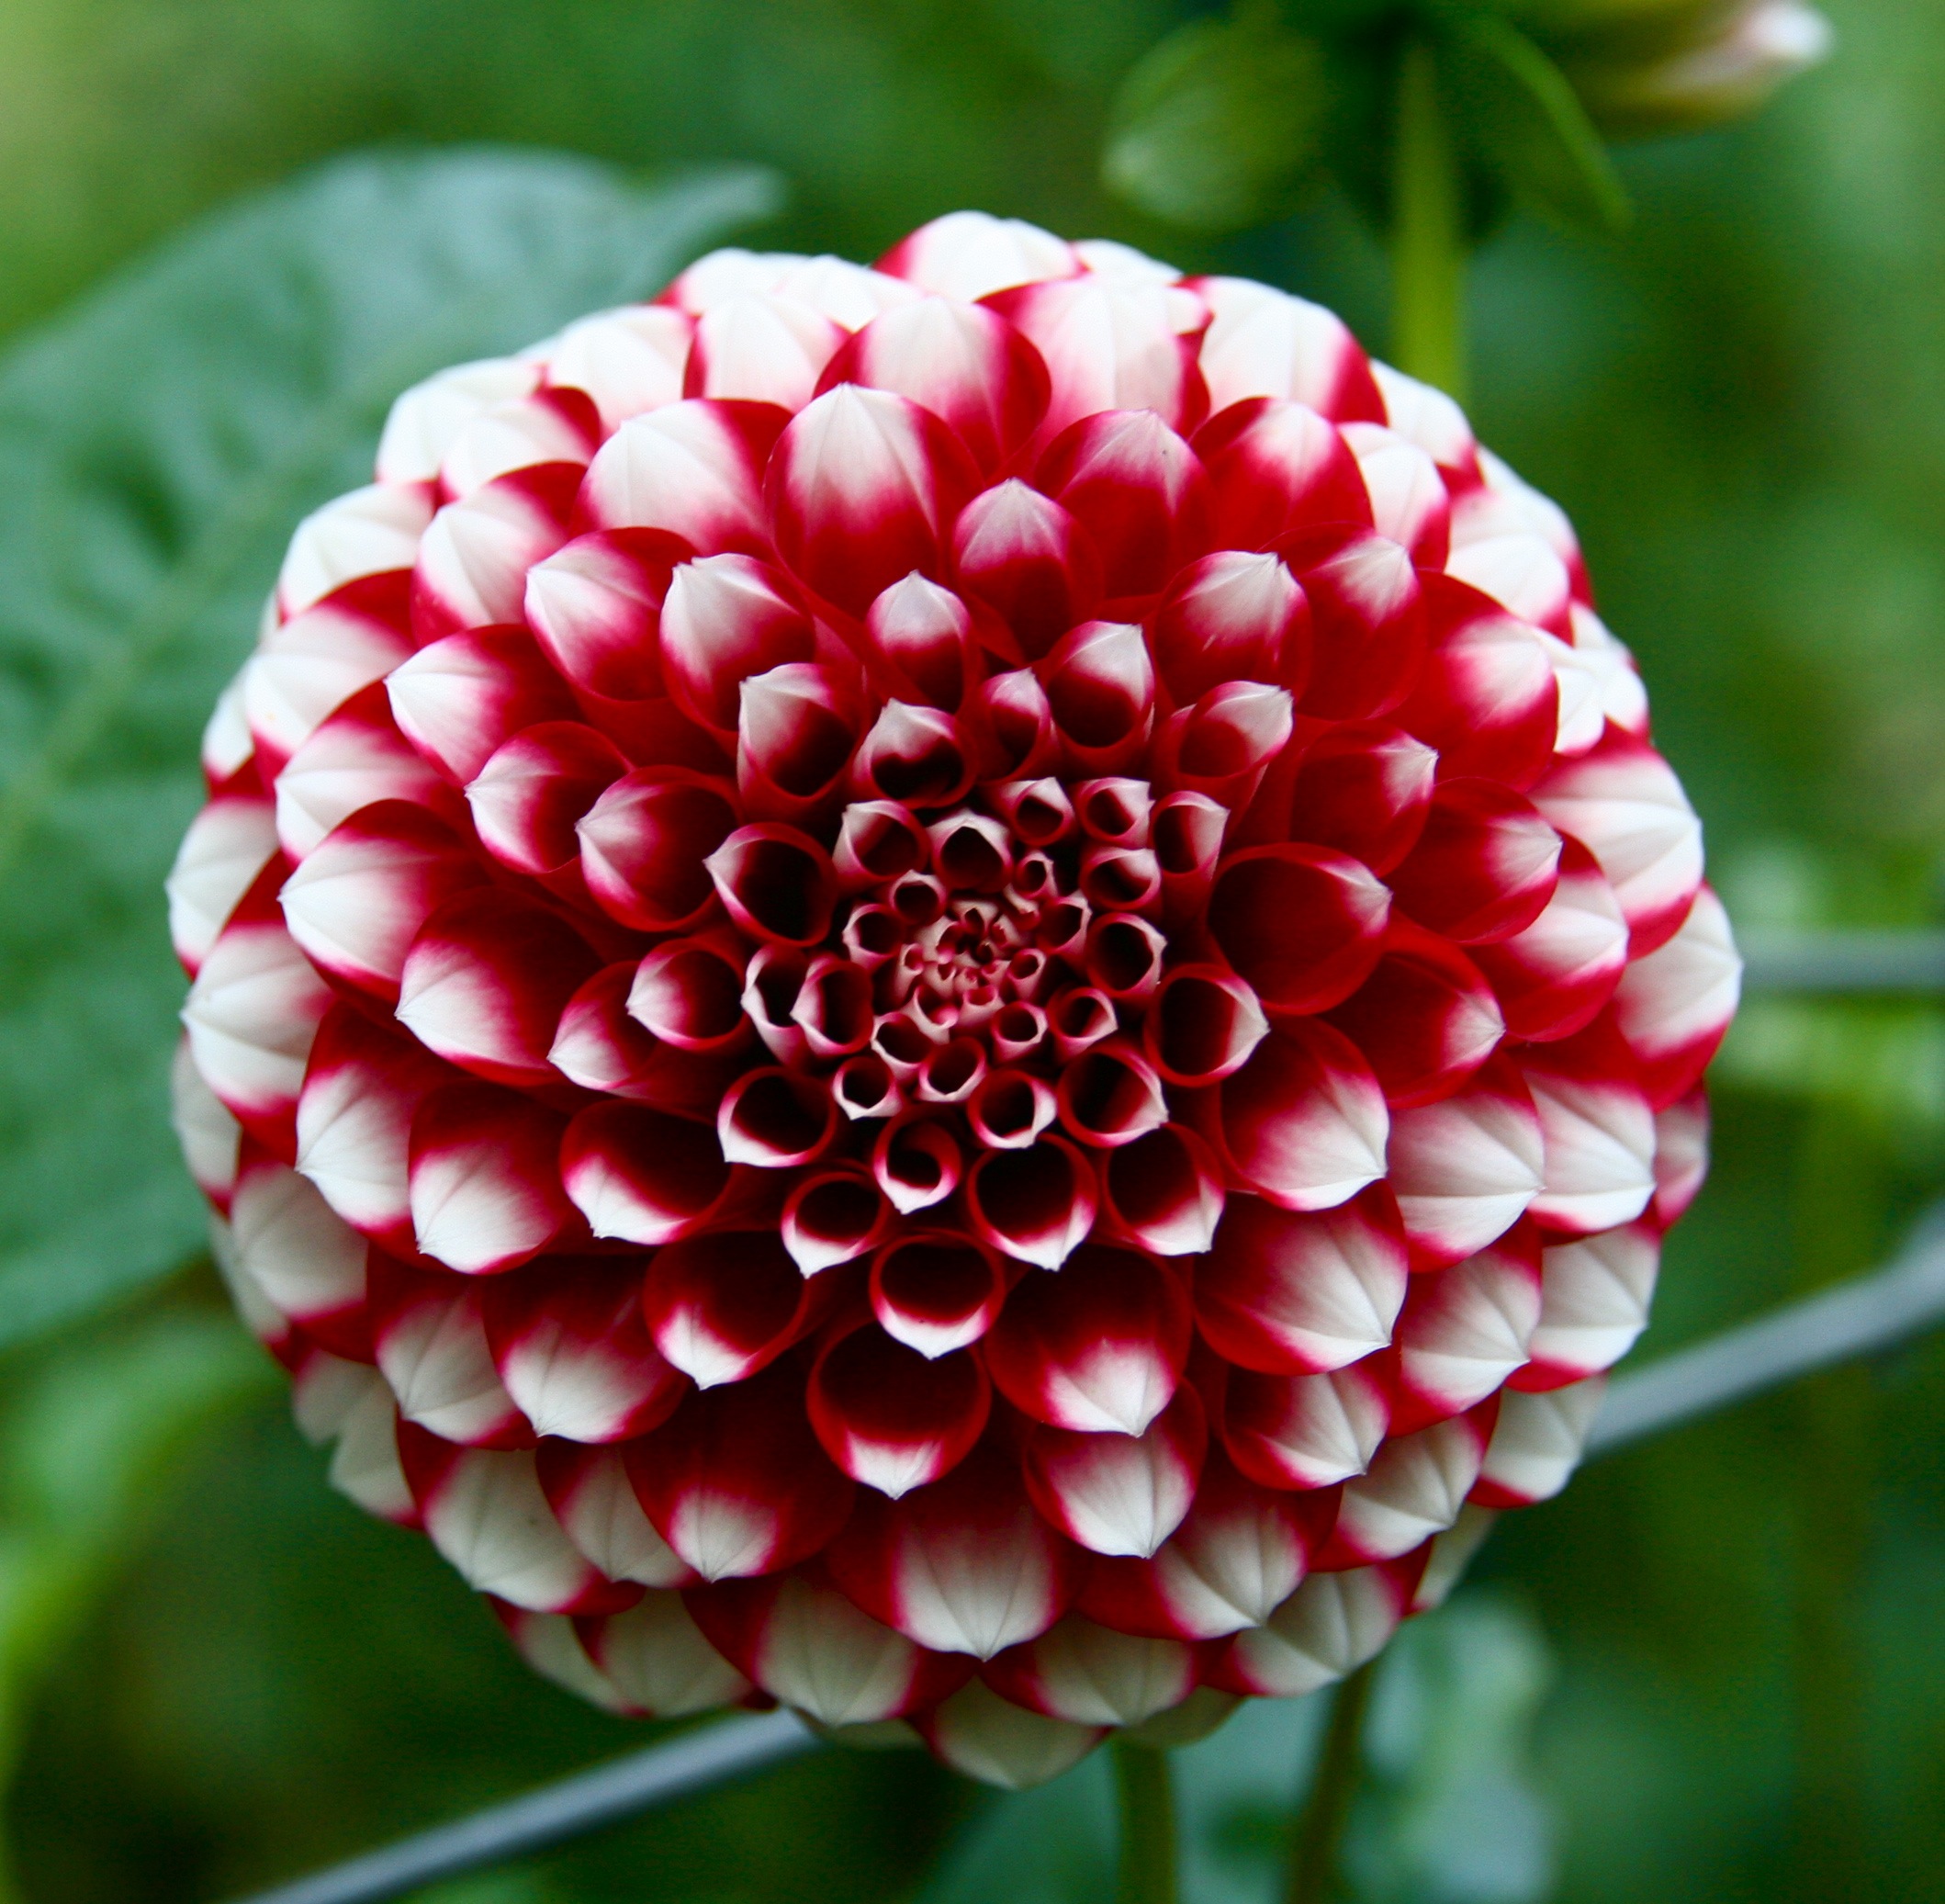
[[945, 993]]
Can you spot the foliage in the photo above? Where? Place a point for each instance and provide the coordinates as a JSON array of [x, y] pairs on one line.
[[161, 442]]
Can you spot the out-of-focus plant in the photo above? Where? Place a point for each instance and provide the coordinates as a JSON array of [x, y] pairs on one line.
[[1436, 117], [86, 1443]]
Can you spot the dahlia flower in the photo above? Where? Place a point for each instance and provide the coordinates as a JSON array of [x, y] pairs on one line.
[[960, 994]]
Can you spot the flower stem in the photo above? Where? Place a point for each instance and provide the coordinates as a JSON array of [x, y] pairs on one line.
[[1333, 1783], [1146, 1790], [1428, 238]]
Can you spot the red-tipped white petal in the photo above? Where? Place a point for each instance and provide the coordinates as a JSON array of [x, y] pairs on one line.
[[1536, 1444], [209, 1134], [485, 981], [1327, 1628], [552, 427], [459, 699], [1623, 700], [1116, 1493], [305, 669], [891, 1416], [1231, 616], [529, 797], [1368, 626], [1263, 343], [1302, 925], [293, 1248], [484, 1511], [1233, 1562], [1275, 468], [354, 1122], [1092, 1675], [1428, 418], [368, 532], [1110, 344], [1555, 977], [736, 1483], [1304, 1431], [918, 640], [1137, 488], [1465, 1329], [1674, 1006], [962, 361], [657, 1659], [355, 758], [228, 844], [644, 842], [1409, 503], [423, 421], [1466, 1167], [1294, 1294], [640, 1176], [1520, 572], [485, 1183], [429, 1336], [1098, 1346], [572, 1347], [1414, 1489], [724, 1303], [250, 1017], [1485, 867], [549, 1644], [589, 1492], [1364, 788], [629, 361], [364, 1466], [473, 560], [1599, 1134], [357, 902], [1623, 803], [761, 347], [595, 607], [1035, 1205], [1029, 560], [1164, 1192], [807, 1645], [1594, 1297], [1486, 697], [863, 488], [986, 1737], [1681, 1155], [1303, 1122], [1425, 1018], [962, 1566], [935, 1291], [969, 254], [692, 469]]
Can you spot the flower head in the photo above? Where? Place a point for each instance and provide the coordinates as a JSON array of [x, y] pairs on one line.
[[945, 992]]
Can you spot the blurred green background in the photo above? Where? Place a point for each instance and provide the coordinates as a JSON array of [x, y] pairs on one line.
[[1714, 1671]]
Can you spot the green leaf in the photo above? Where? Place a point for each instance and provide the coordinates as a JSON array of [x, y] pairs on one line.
[[159, 443], [1221, 124], [1524, 122]]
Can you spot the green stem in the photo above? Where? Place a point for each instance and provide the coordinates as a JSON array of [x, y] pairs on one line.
[[1428, 237], [1146, 1789], [1334, 1784]]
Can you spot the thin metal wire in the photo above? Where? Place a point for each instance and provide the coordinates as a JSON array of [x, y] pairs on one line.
[[1862, 1317], [1858, 1318], [695, 1762], [1885, 962]]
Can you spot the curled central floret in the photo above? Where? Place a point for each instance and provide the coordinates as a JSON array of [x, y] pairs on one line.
[[962, 994]]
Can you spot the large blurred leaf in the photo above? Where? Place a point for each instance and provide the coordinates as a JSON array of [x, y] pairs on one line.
[[1221, 124], [159, 444]]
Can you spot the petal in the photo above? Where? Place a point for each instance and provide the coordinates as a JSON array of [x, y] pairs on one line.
[[1674, 1006], [1300, 1294], [1264, 343], [692, 469], [1466, 1167]]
